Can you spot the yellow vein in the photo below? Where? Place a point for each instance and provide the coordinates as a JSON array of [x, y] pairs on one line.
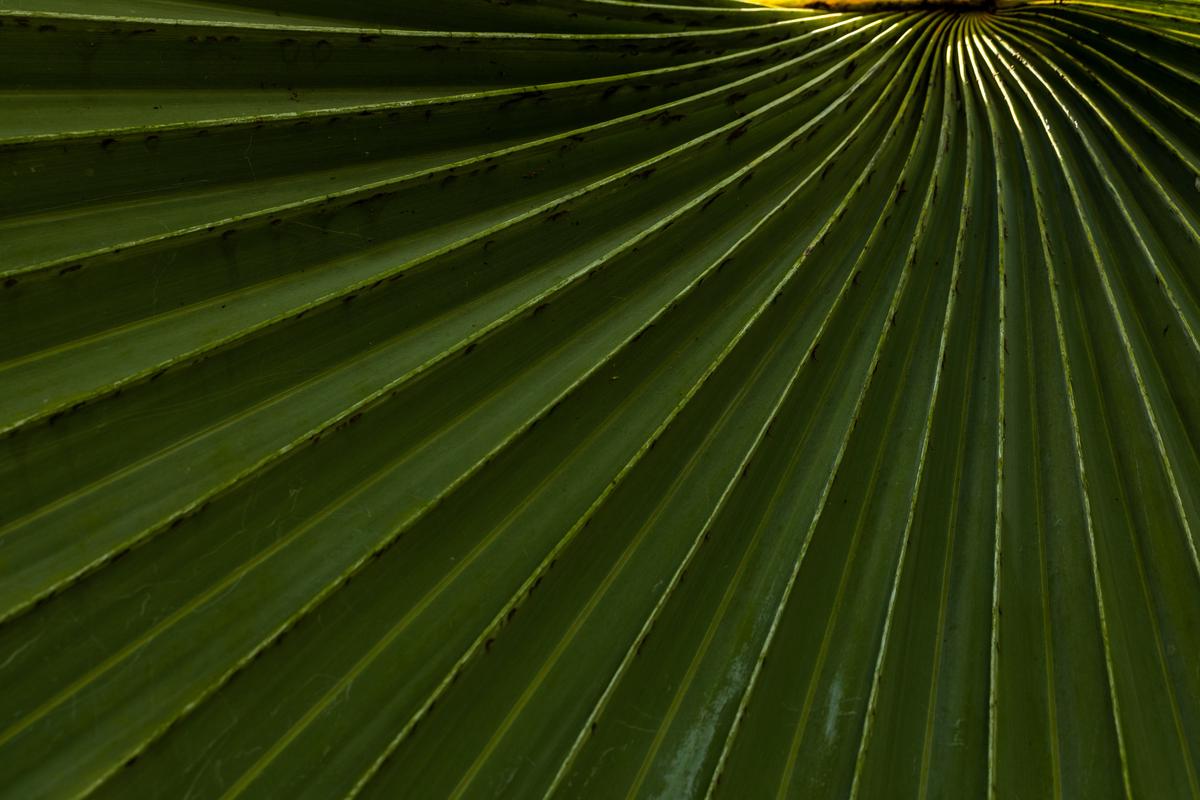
[[875, 472], [1031, 409], [739, 473], [1060, 336], [827, 488], [1105, 283]]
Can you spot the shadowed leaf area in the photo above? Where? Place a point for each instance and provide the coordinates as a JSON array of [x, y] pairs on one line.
[[599, 398]]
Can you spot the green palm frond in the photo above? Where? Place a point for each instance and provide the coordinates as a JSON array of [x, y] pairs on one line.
[[599, 398]]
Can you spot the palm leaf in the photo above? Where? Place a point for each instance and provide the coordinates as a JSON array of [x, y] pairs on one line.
[[599, 398]]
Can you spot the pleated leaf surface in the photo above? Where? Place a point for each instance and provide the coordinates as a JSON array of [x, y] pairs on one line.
[[599, 398]]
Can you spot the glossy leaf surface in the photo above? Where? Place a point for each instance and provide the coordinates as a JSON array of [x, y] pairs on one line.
[[598, 398]]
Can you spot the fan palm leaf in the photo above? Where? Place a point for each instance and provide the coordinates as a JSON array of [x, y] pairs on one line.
[[599, 398]]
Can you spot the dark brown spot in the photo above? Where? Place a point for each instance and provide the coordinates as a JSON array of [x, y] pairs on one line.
[[738, 132]]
